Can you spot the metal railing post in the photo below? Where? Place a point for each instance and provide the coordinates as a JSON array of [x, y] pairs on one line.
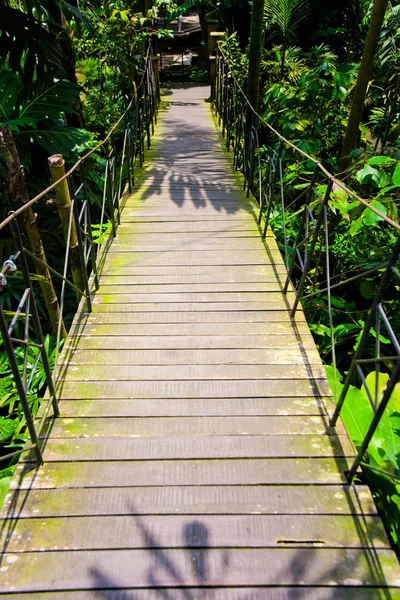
[[35, 314]]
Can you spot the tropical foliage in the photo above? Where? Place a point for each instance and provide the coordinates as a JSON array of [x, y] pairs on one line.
[[66, 75]]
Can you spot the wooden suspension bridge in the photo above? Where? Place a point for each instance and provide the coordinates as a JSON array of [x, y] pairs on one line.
[[193, 457]]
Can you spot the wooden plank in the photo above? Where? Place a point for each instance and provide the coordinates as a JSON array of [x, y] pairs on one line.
[[262, 356], [215, 207], [234, 273], [263, 471], [181, 217], [196, 245], [262, 316], [218, 279], [275, 298], [286, 328], [181, 407], [193, 447], [192, 198], [192, 500], [196, 389], [221, 593], [182, 307], [123, 288], [104, 372], [174, 568], [195, 426], [192, 258], [172, 531], [111, 342], [217, 228]]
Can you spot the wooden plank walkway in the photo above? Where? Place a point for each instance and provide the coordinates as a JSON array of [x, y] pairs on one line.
[[193, 459]]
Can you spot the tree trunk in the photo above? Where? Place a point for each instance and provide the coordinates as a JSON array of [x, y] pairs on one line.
[[364, 75], [255, 54], [63, 34], [17, 196]]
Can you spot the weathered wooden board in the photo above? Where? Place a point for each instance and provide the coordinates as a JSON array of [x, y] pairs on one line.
[[286, 328], [249, 356], [234, 273], [214, 567], [110, 342], [181, 307], [282, 471], [125, 316], [190, 258], [122, 288], [188, 229], [202, 407], [189, 208], [177, 245], [197, 426], [175, 531], [273, 298], [193, 500], [252, 281], [223, 593], [194, 389], [104, 372], [188, 446]]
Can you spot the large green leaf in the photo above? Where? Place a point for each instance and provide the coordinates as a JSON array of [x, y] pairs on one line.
[[382, 161], [383, 379], [26, 44], [49, 102], [396, 175], [384, 448], [385, 445], [10, 86], [371, 218], [356, 412], [60, 139]]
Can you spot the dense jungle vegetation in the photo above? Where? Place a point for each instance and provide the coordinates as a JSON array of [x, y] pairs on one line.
[[67, 72]]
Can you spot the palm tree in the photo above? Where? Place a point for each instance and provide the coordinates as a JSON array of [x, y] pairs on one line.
[[284, 17]]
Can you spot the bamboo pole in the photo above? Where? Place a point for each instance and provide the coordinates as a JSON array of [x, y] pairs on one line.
[[18, 194], [63, 201]]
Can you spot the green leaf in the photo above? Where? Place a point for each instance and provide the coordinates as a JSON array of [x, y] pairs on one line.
[[356, 412], [4, 487], [7, 428], [366, 174], [371, 218], [383, 379], [10, 86], [61, 139], [319, 329], [384, 448], [50, 102], [356, 226], [381, 161], [370, 175], [396, 175]]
